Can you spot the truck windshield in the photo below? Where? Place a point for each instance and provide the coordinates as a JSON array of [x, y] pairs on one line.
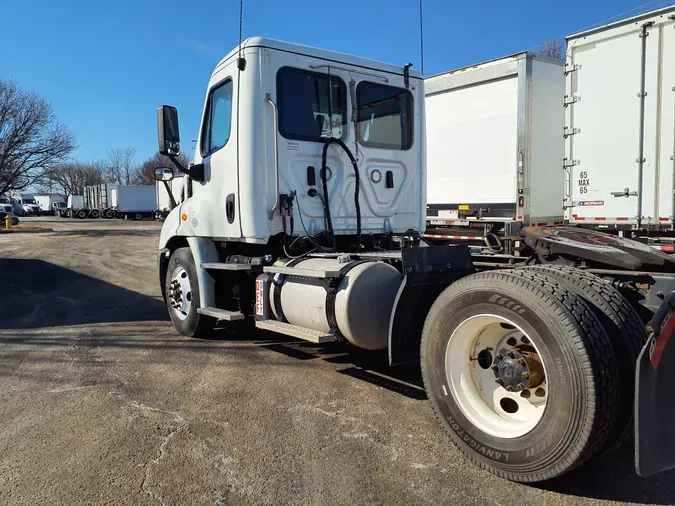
[[28, 201], [60, 204], [385, 116]]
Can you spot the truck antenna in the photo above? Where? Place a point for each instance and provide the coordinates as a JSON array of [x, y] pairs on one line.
[[421, 41], [241, 62]]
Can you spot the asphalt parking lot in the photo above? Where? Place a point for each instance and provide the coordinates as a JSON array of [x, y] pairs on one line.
[[103, 403]]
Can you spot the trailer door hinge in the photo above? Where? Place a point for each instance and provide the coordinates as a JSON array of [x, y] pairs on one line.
[[571, 100], [569, 68], [640, 160], [570, 163], [641, 94], [570, 131]]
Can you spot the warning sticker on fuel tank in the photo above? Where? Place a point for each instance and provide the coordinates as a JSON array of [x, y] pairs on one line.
[[586, 203]]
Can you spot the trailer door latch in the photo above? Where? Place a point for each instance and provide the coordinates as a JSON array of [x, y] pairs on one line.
[[569, 68], [571, 100], [625, 193]]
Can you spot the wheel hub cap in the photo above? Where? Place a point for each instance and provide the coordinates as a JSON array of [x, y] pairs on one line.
[[180, 293], [517, 369]]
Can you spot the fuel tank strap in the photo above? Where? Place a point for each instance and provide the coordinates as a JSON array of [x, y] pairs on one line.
[[331, 295], [276, 291]]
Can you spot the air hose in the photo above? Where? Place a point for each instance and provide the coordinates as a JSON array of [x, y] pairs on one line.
[[324, 183]]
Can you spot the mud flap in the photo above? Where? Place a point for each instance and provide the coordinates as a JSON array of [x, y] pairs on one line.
[[655, 395], [427, 272]]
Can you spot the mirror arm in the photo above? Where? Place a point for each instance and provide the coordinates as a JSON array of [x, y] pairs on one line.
[[168, 190], [179, 165]]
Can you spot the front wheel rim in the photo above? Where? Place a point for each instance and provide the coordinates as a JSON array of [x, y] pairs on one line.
[[180, 293], [496, 376]]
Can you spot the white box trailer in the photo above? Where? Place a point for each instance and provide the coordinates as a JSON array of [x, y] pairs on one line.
[[131, 201], [620, 124], [495, 145]]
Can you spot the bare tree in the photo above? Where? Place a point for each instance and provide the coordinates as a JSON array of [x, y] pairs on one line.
[[552, 48], [145, 174], [70, 178], [120, 168], [31, 139]]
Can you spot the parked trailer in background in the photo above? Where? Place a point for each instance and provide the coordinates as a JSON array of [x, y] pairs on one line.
[[135, 202], [75, 208], [620, 126], [494, 148], [164, 202], [98, 200]]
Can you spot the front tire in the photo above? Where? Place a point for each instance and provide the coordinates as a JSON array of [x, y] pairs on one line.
[[551, 345], [182, 296]]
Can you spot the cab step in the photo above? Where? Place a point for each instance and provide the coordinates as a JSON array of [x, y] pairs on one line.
[[221, 314], [314, 336], [222, 266]]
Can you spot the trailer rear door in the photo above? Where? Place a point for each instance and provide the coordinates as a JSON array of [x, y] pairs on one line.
[[603, 125], [667, 120]]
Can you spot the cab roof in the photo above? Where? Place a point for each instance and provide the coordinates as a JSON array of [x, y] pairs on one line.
[[323, 54]]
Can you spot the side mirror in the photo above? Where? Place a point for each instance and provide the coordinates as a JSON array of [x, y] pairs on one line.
[[167, 130], [163, 174]]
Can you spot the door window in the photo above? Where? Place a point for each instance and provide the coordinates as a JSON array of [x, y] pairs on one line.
[[219, 119], [385, 116], [312, 105]]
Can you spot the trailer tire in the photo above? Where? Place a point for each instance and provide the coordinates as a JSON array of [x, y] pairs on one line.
[[108, 214], [622, 324], [138, 216], [578, 363], [81, 214], [94, 214], [189, 323]]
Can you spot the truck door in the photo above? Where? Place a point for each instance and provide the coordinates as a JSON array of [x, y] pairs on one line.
[[214, 211]]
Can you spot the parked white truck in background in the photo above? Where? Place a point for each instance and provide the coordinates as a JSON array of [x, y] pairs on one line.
[[169, 193], [75, 208], [620, 125], [494, 148], [135, 202], [50, 203], [27, 203], [530, 368]]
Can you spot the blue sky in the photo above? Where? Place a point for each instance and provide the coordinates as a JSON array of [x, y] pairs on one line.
[[106, 65]]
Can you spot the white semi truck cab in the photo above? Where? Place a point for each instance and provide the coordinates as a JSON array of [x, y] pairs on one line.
[[302, 214]]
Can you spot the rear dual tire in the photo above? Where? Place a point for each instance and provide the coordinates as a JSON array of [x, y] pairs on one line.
[[581, 375]]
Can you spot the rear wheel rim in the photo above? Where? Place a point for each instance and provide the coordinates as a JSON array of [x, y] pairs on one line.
[[496, 376], [180, 293]]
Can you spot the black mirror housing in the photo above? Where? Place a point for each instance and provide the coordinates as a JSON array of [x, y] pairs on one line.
[[167, 130], [197, 172]]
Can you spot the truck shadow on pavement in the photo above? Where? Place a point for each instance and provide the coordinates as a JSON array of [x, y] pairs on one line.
[[111, 232], [611, 477], [41, 294]]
